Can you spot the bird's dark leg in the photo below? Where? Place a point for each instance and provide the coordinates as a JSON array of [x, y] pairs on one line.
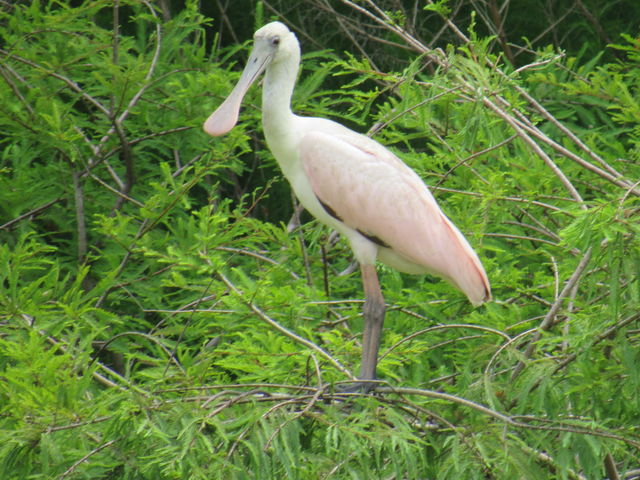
[[373, 311]]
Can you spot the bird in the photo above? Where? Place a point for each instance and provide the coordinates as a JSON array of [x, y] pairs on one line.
[[353, 184]]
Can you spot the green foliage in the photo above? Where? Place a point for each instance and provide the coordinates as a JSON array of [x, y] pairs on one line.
[[160, 320]]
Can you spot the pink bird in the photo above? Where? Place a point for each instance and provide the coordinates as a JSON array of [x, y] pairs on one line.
[[352, 184]]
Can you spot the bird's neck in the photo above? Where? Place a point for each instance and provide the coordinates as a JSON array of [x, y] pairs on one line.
[[278, 87]]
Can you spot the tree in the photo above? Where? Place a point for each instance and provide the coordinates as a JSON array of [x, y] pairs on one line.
[[163, 317]]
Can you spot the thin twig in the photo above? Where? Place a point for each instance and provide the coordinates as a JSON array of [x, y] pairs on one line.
[[549, 318], [72, 468], [513, 421], [610, 467], [30, 213], [444, 327], [535, 147], [30, 322], [70, 83], [263, 316], [81, 227]]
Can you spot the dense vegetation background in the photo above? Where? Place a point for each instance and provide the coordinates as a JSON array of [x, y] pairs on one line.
[[166, 314]]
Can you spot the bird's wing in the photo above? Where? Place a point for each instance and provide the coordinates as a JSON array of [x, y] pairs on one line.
[[371, 190]]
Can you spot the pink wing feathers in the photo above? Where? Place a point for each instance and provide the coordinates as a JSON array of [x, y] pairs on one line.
[[371, 190]]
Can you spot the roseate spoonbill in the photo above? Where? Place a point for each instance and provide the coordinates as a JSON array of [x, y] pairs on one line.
[[352, 184]]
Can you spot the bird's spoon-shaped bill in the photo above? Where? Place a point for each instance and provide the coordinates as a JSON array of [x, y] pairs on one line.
[[226, 115]]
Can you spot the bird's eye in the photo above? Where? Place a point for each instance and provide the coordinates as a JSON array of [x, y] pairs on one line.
[[275, 41]]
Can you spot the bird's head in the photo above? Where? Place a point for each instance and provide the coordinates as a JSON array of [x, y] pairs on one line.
[[275, 41], [273, 44]]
